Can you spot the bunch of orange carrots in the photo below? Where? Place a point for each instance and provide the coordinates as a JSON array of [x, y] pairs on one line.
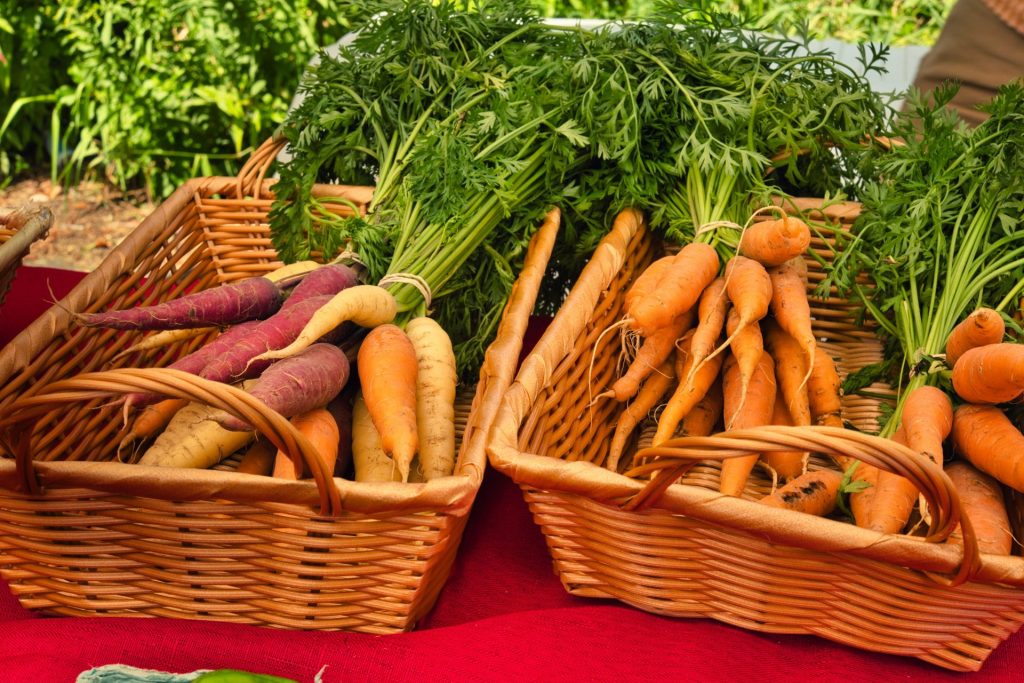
[[732, 347], [397, 425]]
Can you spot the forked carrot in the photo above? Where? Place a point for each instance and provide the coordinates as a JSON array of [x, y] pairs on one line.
[[814, 493], [981, 500], [757, 410], [990, 374], [677, 291], [646, 281], [750, 292], [981, 328], [774, 242], [654, 388], [987, 438], [790, 371], [747, 347], [791, 308]]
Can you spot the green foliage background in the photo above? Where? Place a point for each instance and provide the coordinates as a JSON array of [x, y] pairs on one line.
[[151, 92]]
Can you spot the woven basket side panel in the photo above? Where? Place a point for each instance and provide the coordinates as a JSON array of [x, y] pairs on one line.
[[171, 263], [565, 424], [83, 553], [677, 566]]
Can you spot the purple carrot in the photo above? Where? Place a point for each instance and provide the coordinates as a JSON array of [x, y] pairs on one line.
[[295, 385], [329, 279], [251, 299], [276, 332], [197, 360]]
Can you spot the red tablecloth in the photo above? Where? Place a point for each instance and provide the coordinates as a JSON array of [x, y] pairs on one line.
[[502, 616]]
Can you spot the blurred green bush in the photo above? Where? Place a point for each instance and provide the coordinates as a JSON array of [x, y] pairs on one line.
[[148, 93]]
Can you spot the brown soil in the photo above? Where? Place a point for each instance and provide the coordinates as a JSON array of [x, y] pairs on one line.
[[88, 221]]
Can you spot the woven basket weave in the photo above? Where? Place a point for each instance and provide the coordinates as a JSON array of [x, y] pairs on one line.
[[688, 551], [81, 534], [18, 230]]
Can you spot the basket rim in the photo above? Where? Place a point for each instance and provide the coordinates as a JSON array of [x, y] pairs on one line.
[[452, 494], [587, 480]]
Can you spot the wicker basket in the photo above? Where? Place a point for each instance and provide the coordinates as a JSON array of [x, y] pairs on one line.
[[688, 551], [18, 230], [83, 535]]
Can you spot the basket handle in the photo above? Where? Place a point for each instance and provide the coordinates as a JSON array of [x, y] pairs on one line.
[[670, 460], [256, 167], [18, 424]]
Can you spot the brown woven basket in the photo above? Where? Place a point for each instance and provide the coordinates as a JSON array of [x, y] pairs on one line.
[[688, 551], [81, 534], [18, 230]]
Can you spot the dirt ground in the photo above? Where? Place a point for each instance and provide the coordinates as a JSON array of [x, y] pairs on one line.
[[88, 221]]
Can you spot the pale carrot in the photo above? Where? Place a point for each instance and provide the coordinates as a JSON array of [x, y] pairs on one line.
[[368, 456], [364, 305], [436, 379]]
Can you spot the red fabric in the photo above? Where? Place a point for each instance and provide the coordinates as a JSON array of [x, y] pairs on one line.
[[503, 615]]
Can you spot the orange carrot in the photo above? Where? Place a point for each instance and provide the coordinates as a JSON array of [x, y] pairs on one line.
[[814, 493], [749, 290], [981, 328], [319, 427], [823, 397], [757, 411], [259, 459], [652, 353], [981, 499], [990, 374], [688, 393], [786, 464], [646, 281], [890, 506], [860, 501], [387, 372], [927, 419], [152, 419], [790, 306], [790, 371], [772, 243], [747, 347], [702, 419], [711, 318], [654, 388], [987, 438], [679, 288]]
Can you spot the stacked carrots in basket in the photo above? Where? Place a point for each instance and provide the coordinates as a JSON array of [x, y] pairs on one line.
[[283, 341], [732, 347]]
